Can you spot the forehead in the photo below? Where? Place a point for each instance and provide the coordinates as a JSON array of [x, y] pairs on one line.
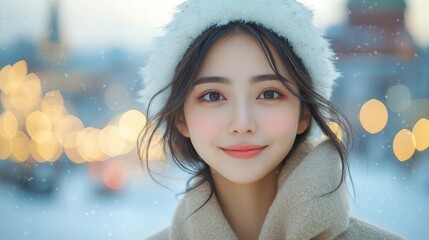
[[240, 53]]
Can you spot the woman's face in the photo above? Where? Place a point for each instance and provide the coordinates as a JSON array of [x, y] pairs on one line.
[[240, 118]]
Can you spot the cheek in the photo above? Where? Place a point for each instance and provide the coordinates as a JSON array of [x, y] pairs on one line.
[[202, 124], [281, 122]]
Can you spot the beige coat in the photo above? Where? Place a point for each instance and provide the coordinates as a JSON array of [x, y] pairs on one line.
[[299, 211]]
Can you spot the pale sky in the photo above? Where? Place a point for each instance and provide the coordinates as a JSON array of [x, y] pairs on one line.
[[88, 24], [130, 24]]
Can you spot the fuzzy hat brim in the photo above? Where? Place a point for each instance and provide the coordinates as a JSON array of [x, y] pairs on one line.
[[287, 18]]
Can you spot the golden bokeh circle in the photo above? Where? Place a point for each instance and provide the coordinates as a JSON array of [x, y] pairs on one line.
[[373, 116], [131, 123], [404, 145], [8, 124], [20, 147], [39, 126], [421, 133]]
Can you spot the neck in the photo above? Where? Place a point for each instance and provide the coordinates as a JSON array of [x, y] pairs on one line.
[[245, 206]]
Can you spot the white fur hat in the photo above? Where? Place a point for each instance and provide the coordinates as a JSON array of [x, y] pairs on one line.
[[287, 18]]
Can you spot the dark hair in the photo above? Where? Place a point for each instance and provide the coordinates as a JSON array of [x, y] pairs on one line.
[[181, 149]]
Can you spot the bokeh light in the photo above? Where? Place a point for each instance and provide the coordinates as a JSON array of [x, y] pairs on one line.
[[49, 151], [65, 126], [30, 94], [20, 94], [373, 116], [111, 141], [398, 98], [80, 146], [34, 151], [90, 147], [114, 176], [71, 147], [336, 128], [39, 126], [15, 76], [6, 102], [4, 73], [403, 145], [5, 150], [20, 147], [44, 129], [130, 124], [25, 96], [53, 106], [421, 134], [8, 124]]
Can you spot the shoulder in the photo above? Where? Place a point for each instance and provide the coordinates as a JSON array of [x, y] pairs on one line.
[[359, 229], [160, 235]]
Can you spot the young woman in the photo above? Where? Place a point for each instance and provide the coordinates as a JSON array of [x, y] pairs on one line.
[[238, 89]]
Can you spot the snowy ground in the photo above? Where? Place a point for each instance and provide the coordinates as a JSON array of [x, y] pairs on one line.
[[81, 209], [393, 198]]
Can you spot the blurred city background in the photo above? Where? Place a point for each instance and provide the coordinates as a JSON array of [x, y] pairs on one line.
[[70, 119]]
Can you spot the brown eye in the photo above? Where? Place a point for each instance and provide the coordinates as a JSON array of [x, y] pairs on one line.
[[270, 94], [212, 97]]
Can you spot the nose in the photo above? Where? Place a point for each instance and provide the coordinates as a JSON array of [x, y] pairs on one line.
[[242, 120]]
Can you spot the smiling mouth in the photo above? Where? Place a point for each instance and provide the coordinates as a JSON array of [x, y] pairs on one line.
[[244, 153]]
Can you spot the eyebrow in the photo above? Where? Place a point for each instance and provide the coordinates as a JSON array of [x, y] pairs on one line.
[[255, 79]]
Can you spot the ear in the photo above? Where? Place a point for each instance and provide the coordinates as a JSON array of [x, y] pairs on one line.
[[182, 127], [305, 120]]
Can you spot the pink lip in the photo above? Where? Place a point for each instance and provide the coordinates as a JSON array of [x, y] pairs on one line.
[[243, 151]]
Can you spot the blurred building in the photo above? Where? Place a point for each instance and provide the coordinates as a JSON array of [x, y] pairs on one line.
[[96, 87], [379, 59]]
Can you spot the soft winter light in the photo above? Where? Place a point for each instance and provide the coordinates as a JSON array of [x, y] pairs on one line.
[[71, 147], [90, 145], [373, 116], [8, 125], [421, 133], [111, 141], [65, 126], [39, 126], [130, 124], [5, 150], [45, 129], [48, 151], [20, 92], [398, 98], [114, 176], [403, 145], [15, 75], [30, 94], [20, 147], [53, 106]]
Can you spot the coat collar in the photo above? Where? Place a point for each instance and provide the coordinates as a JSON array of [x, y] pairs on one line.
[[300, 209]]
